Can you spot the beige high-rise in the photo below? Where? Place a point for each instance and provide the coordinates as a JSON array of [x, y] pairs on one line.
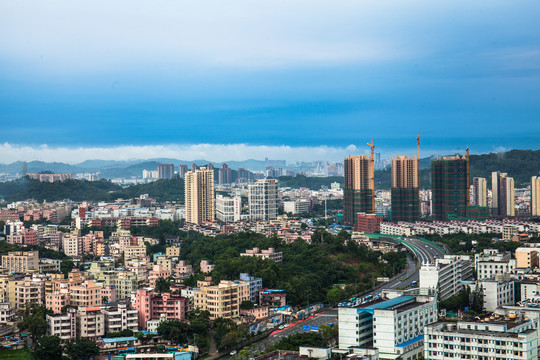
[[405, 172], [535, 196], [199, 195], [480, 191]]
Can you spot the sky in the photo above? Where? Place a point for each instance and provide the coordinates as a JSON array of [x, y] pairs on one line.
[[296, 80]]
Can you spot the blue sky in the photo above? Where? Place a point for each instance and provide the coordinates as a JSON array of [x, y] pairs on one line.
[[249, 79]]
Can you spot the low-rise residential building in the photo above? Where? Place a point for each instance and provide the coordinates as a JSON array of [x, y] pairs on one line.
[[492, 339], [63, 326], [273, 298], [87, 294], [222, 300], [205, 266], [255, 284], [527, 257], [29, 290], [120, 317], [301, 206], [270, 253], [21, 261], [172, 251], [7, 313], [90, 323], [151, 305]]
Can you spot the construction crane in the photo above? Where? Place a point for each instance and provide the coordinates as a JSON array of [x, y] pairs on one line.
[[372, 175]]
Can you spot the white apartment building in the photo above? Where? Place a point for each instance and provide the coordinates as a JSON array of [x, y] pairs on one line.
[[295, 207], [263, 197], [497, 292], [228, 209], [7, 313], [63, 326], [121, 317], [496, 339], [486, 269], [72, 245], [446, 275], [393, 326]]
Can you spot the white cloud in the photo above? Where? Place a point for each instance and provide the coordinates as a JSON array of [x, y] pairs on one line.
[[212, 152]]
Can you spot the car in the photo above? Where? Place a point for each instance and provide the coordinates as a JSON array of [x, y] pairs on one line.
[[281, 327], [286, 325]]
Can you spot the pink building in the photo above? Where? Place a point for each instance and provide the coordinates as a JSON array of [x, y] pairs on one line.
[[29, 237], [109, 292], [156, 273], [150, 306], [206, 267], [56, 301]]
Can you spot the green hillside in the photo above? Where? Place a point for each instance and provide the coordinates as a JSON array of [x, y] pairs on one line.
[[80, 190]]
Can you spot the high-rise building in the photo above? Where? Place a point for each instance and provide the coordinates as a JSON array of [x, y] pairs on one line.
[[480, 191], [405, 189], [224, 175], [535, 196], [263, 196], [182, 170], [244, 175], [450, 186], [502, 190], [199, 191], [165, 171], [508, 197], [358, 191]]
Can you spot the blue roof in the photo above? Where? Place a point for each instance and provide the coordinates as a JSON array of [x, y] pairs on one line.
[[386, 304], [119, 339], [412, 341]]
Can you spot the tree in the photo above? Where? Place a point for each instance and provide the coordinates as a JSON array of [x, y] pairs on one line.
[[247, 305], [81, 349], [162, 285], [243, 354], [174, 330], [334, 295], [34, 320], [48, 348], [66, 266], [476, 301], [293, 342]]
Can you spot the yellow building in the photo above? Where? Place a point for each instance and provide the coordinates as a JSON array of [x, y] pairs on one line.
[[86, 294], [199, 196], [535, 196], [222, 300], [172, 251], [21, 261], [527, 257]]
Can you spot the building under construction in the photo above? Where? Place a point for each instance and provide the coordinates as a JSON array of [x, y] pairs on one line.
[[359, 189], [405, 189], [450, 186]]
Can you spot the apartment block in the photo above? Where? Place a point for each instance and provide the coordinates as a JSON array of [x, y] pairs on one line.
[[29, 290], [63, 326], [120, 317], [497, 292], [446, 275], [21, 261], [295, 207], [263, 197], [172, 251], [494, 339], [90, 323], [150, 305], [393, 325], [228, 209], [255, 284], [87, 294], [222, 300], [270, 253], [527, 257]]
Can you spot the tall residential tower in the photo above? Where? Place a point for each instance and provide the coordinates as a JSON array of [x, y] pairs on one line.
[[199, 191], [480, 191], [406, 187], [263, 198], [502, 190], [359, 191], [450, 186], [535, 196]]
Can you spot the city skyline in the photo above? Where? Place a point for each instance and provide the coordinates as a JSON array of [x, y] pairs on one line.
[[300, 79]]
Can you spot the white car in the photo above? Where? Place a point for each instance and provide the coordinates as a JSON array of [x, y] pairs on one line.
[[286, 325], [281, 327]]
